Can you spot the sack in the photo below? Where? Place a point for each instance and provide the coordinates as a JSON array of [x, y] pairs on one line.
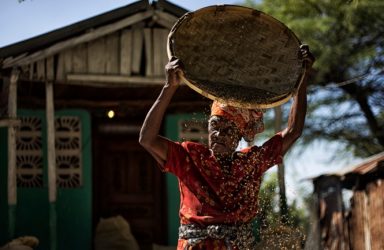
[[114, 234]]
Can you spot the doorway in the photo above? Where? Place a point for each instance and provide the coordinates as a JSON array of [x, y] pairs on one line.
[[127, 182]]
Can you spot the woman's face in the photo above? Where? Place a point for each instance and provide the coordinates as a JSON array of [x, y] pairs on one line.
[[223, 136]]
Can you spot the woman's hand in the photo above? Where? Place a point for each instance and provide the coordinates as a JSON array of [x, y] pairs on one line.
[[307, 56], [173, 69]]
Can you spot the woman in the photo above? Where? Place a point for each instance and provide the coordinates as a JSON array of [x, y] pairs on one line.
[[219, 186]]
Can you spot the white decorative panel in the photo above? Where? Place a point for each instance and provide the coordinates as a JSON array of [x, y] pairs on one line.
[[68, 151], [29, 153]]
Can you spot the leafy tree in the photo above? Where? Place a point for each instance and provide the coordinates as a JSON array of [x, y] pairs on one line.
[[347, 95]]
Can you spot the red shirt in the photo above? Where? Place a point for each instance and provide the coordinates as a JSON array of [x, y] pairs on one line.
[[209, 195]]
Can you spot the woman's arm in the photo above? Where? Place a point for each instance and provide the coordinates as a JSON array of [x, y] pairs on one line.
[[298, 110], [150, 139]]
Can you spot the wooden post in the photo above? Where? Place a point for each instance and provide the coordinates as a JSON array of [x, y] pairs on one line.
[[367, 233], [375, 194], [50, 115], [356, 221], [281, 171], [331, 213], [12, 183], [312, 241]]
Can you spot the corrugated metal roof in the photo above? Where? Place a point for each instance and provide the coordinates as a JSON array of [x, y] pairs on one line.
[[357, 176], [364, 167]]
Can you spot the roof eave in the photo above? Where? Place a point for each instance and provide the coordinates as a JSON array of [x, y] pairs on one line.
[[171, 8], [44, 40]]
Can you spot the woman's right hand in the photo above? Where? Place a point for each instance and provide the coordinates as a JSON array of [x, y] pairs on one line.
[[173, 69]]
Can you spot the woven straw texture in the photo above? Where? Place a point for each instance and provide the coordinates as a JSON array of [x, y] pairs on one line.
[[237, 55]]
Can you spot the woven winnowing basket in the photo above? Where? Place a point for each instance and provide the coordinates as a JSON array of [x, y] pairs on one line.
[[237, 55]]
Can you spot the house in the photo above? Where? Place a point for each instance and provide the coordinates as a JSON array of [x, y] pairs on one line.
[[64, 164], [349, 211]]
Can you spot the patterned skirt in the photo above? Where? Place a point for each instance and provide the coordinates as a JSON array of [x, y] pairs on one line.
[[216, 237]]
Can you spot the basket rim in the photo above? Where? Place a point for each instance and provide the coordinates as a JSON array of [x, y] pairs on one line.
[[277, 102]]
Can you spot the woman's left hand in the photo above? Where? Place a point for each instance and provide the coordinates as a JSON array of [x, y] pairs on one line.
[[307, 56]]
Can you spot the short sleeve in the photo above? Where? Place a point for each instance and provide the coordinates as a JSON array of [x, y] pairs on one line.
[[271, 152], [177, 159]]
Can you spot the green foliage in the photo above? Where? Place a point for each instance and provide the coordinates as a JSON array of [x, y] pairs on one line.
[[347, 95]]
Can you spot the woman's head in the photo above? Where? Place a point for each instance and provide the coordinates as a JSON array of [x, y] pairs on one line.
[[248, 121], [228, 124], [223, 136]]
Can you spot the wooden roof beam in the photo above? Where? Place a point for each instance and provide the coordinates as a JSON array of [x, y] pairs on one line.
[[94, 80]]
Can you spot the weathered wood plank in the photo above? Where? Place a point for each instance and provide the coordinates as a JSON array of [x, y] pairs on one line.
[[376, 213], [164, 56], [41, 69], [112, 80], [138, 40], [4, 95], [51, 161], [367, 233], [31, 71], [68, 65], [126, 52], [50, 68], [12, 59], [148, 52], [60, 72], [134, 104], [165, 23], [9, 122], [159, 51], [12, 99], [332, 229], [356, 222], [50, 116], [89, 36], [64, 65], [12, 113], [79, 58], [112, 54], [165, 19], [96, 54]]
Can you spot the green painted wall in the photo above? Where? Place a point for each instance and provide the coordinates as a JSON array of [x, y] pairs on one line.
[[74, 205], [70, 216], [3, 186], [172, 132]]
